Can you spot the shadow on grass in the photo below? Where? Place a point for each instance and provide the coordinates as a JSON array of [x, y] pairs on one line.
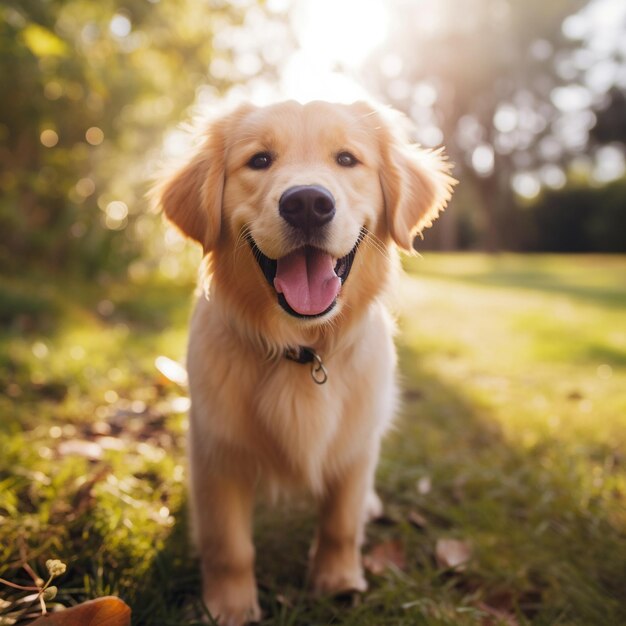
[[547, 283], [545, 551], [169, 595], [45, 323], [606, 354], [32, 304], [544, 539]]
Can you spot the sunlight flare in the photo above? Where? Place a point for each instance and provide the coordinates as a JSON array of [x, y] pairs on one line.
[[341, 32], [334, 37]]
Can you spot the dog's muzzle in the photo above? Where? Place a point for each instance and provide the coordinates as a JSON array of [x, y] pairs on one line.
[[306, 281]]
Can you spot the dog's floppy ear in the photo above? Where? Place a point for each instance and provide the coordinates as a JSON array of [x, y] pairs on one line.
[[416, 184], [191, 198]]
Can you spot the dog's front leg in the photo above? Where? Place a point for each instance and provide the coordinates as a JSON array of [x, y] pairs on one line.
[[336, 553], [222, 523]]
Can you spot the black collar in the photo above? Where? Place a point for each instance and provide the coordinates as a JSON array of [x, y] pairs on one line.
[[303, 355]]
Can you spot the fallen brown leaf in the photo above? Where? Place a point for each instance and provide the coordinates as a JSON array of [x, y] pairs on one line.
[[385, 555], [452, 553], [107, 611]]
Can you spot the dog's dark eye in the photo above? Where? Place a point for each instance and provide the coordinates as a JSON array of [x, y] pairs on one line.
[[346, 159], [260, 161]]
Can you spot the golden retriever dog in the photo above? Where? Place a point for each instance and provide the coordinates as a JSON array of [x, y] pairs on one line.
[[291, 360]]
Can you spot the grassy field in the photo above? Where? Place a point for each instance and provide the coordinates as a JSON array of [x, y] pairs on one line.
[[511, 441]]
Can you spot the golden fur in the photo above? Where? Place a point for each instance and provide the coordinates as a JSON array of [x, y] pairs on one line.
[[257, 417]]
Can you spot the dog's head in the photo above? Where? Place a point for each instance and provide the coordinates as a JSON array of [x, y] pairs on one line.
[[304, 192]]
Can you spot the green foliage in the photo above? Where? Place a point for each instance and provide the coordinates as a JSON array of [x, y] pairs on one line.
[[511, 438], [89, 88], [580, 219]]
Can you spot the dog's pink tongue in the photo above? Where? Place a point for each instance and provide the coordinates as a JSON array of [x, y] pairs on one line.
[[307, 279]]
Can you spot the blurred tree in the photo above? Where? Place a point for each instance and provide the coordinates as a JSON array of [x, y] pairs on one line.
[[611, 124], [89, 89], [500, 83], [578, 218]]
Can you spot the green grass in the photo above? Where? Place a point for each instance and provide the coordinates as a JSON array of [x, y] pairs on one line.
[[511, 438]]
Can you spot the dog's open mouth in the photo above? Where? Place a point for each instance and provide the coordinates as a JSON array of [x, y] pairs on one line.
[[307, 281]]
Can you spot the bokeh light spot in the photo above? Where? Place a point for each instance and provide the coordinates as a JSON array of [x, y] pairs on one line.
[[120, 25], [505, 118], [526, 185], [117, 210], [53, 90], [40, 349], [49, 138], [111, 396], [116, 215], [483, 159], [94, 136], [553, 176], [85, 187]]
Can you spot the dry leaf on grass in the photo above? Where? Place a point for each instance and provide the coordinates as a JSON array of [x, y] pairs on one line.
[[107, 611], [452, 553], [385, 555]]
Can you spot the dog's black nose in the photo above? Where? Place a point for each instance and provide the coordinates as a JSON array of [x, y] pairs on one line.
[[307, 206]]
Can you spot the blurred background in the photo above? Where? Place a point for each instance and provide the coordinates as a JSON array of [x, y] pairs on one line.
[[529, 99]]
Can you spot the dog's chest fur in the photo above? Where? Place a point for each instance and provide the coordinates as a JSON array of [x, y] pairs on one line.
[[290, 429]]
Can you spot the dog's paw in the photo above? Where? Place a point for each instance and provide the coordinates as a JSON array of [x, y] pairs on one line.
[[336, 571], [228, 615], [233, 605], [335, 582]]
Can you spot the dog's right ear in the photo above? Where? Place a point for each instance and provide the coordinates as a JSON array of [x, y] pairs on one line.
[[191, 198]]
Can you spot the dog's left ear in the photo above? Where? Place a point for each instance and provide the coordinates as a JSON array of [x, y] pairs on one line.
[[416, 184]]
